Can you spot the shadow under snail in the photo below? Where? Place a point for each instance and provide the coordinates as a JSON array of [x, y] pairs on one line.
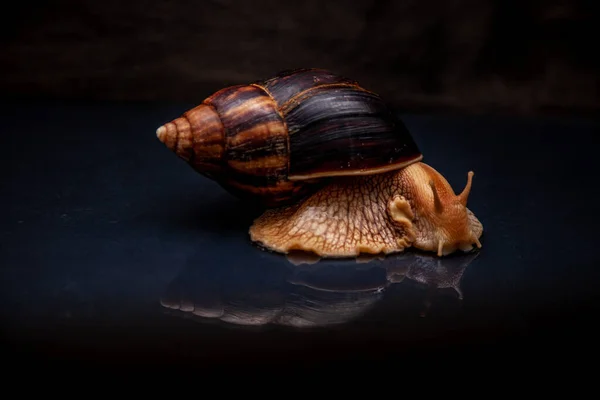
[[337, 171]]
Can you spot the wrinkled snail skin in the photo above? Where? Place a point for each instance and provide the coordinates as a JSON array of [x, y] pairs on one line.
[[382, 213], [278, 140]]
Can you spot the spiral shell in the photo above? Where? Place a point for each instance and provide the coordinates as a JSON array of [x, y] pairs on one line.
[[276, 140]]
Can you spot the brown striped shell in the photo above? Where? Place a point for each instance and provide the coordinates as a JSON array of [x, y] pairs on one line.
[[276, 140]]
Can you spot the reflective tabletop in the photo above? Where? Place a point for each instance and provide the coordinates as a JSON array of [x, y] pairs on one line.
[[114, 251]]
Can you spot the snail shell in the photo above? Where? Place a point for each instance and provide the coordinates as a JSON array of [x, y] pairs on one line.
[[276, 140]]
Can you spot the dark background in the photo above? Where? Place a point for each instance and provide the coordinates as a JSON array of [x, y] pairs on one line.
[[98, 217], [508, 56]]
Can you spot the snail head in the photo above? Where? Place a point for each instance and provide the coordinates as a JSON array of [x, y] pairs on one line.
[[443, 222]]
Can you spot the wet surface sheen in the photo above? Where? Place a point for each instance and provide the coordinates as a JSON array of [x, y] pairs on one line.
[[113, 250]]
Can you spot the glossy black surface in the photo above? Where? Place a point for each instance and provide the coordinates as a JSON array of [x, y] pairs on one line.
[[113, 251]]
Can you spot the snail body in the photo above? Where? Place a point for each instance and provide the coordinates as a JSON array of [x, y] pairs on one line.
[[338, 171], [377, 214]]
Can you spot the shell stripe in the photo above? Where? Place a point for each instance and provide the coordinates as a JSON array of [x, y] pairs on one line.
[[255, 136], [206, 132], [287, 136]]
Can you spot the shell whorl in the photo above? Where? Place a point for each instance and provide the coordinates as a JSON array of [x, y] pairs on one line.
[[197, 137]]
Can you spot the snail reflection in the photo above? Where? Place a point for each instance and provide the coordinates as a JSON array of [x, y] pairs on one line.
[[303, 291]]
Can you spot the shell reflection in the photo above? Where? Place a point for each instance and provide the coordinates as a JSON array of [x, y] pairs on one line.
[[303, 291]]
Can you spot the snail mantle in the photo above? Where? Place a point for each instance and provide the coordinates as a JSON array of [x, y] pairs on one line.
[[336, 169]]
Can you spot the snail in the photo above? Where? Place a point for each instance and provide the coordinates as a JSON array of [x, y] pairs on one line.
[[337, 171]]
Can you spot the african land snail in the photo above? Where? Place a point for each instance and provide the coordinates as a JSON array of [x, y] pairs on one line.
[[338, 171]]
